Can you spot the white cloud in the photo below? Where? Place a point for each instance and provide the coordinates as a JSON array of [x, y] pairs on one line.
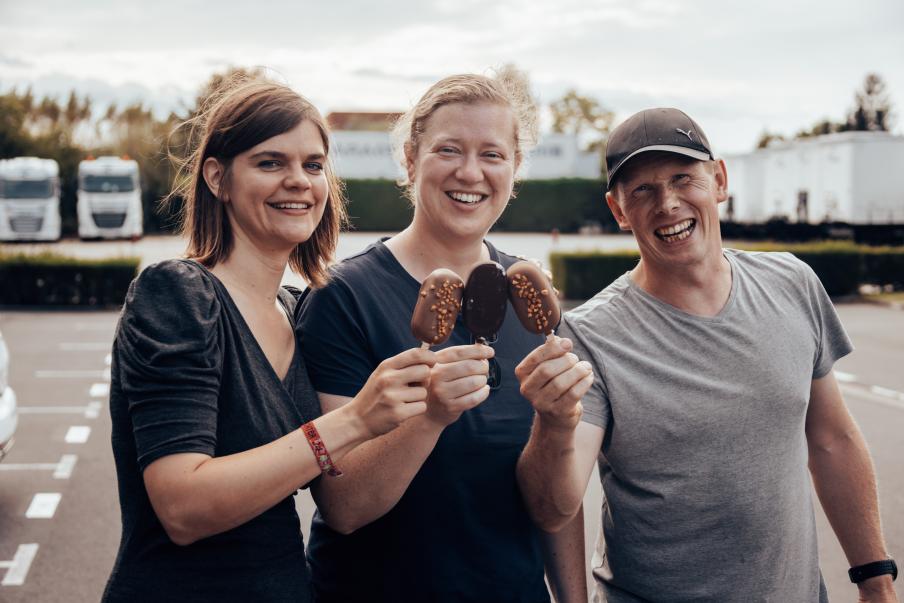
[[737, 67]]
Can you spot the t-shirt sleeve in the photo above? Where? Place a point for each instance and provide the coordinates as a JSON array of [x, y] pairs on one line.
[[333, 341], [832, 341], [169, 360], [595, 402]]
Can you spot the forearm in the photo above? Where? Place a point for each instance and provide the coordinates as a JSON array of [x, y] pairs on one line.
[[548, 476], [565, 561], [845, 482], [213, 495], [376, 475]]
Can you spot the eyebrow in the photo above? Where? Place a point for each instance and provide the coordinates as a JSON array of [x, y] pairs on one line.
[[280, 155]]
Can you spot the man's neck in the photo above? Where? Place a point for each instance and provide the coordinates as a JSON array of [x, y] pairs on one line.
[[701, 289], [420, 253]]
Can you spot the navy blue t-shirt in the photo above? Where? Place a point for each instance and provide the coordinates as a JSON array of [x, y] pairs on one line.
[[461, 531]]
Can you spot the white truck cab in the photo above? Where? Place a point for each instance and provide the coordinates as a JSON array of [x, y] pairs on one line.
[[29, 199], [109, 199]]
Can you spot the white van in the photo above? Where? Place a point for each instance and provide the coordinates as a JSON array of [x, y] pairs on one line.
[[29, 199], [109, 199]]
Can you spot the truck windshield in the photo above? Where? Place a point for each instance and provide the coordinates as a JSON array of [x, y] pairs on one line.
[[107, 184], [26, 189]]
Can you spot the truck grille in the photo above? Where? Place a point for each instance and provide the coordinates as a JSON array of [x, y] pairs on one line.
[[26, 224], [108, 220]]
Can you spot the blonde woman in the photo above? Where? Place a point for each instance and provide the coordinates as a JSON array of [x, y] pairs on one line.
[[448, 522]]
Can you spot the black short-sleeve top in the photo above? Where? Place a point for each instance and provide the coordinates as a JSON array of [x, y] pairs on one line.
[[187, 375]]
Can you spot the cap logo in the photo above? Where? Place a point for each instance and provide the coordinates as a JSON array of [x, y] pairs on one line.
[[689, 133]]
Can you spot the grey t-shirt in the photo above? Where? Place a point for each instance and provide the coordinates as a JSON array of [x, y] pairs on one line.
[[704, 459]]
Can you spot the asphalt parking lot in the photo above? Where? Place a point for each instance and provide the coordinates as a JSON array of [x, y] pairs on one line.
[[59, 516]]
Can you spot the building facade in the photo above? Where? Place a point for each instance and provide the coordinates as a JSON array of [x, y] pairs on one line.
[[849, 177]]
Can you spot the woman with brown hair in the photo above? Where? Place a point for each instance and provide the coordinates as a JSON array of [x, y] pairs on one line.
[[215, 424]]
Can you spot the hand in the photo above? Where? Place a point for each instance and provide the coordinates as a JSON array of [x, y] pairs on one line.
[[394, 392], [554, 381], [458, 382], [879, 589]]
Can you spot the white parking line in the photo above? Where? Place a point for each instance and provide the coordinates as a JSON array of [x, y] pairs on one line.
[[91, 411], [845, 377], [43, 505], [78, 434], [65, 467], [61, 470], [94, 326], [867, 394], [49, 374], [99, 390], [17, 569], [85, 346], [888, 393]]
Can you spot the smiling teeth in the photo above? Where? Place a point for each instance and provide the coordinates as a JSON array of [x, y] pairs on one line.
[[466, 197], [291, 205], [678, 232], [670, 230]]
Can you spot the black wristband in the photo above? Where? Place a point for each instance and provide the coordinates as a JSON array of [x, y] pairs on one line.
[[871, 570]]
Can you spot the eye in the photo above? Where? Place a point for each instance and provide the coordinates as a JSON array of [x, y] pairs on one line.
[[268, 164], [682, 178], [447, 150], [313, 166], [494, 155]]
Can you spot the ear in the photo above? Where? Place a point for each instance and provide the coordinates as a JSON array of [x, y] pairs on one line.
[[721, 176], [410, 156], [617, 212], [213, 171]]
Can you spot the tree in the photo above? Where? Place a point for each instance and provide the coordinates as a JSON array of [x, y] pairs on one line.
[[766, 138], [872, 107], [582, 115]]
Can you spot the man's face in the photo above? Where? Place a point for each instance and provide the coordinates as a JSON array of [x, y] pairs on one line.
[[670, 203]]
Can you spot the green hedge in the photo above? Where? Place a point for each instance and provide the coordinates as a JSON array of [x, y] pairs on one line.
[[540, 206], [49, 279], [842, 267]]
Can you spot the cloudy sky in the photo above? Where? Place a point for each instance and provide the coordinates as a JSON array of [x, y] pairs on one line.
[[738, 67]]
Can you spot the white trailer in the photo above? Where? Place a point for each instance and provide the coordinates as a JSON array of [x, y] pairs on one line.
[[852, 177], [29, 199], [109, 199]]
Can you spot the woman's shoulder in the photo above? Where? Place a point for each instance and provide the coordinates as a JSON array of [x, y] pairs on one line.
[[178, 289]]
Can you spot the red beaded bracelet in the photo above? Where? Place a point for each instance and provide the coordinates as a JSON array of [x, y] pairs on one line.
[[320, 452]]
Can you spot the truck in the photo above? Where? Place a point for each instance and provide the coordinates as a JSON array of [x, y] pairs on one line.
[[109, 199], [29, 199]]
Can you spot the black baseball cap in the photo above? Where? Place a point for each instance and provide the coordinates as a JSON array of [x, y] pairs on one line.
[[661, 129]]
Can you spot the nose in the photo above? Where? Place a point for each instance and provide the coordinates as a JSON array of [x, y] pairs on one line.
[[297, 177], [668, 200], [469, 169]]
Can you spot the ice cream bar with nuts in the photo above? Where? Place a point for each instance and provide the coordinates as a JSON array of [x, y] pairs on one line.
[[438, 304], [533, 298], [486, 298]]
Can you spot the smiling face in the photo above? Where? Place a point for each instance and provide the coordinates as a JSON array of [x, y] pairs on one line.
[[276, 190], [463, 169], [670, 203]]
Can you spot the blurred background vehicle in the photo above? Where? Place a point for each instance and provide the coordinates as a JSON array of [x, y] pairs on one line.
[[8, 412], [29, 199], [109, 199]]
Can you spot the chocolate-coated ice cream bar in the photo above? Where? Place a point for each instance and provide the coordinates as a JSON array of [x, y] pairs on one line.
[[533, 297], [438, 304], [486, 298]]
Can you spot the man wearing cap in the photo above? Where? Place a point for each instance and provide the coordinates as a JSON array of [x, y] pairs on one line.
[[704, 389]]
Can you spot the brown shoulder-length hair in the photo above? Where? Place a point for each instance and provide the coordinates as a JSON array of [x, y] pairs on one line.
[[238, 115]]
